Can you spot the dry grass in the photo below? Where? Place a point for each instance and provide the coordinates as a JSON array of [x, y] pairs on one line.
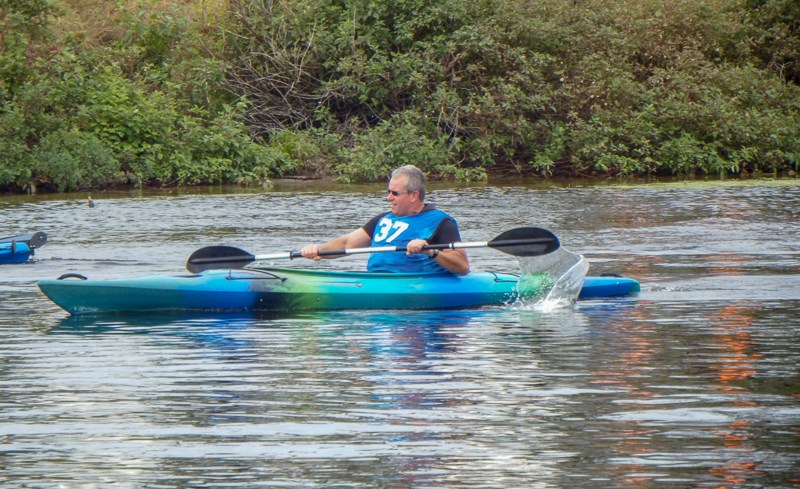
[[98, 22]]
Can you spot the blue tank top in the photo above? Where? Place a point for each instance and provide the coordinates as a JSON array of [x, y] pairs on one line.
[[395, 230]]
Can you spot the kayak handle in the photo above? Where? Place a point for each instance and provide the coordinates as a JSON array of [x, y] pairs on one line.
[[72, 275]]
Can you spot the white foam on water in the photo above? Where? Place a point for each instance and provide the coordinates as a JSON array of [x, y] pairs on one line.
[[551, 281]]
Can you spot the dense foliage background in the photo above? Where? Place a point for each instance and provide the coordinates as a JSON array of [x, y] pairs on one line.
[[148, 92]]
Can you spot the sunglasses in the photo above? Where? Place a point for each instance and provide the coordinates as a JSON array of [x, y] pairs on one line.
[[395, 192]]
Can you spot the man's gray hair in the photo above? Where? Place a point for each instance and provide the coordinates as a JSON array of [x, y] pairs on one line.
[[416, 179]]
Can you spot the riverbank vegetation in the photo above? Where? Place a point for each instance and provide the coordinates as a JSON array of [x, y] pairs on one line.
[[95, 93]]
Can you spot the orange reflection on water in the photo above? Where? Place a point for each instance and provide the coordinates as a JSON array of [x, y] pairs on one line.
[[630, 370], [736, 364], [738, 470], [735, 473], [638, 348]]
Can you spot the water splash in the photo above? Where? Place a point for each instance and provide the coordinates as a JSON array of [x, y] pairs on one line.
[[551, 281]]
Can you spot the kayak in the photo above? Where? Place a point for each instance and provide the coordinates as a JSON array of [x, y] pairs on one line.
[[13, 252], [19, 248], [276, 289]]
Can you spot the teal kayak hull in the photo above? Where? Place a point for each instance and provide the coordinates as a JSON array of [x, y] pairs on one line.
[[291, 290]]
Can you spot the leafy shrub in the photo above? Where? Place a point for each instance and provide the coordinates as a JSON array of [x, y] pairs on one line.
[[23, 24], [69, 159], [73, 109], [776, 33], [392, 144], [15, 171]]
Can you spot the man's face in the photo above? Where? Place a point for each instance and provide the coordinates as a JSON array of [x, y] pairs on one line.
[[401, 201]]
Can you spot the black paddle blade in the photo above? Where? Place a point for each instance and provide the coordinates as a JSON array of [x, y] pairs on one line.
[[37, 239], [526, 242], [216, 257]]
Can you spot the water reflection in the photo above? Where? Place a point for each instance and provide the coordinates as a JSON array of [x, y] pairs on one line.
[[694, 383], [735, 365], [404, 382], [726, 424]]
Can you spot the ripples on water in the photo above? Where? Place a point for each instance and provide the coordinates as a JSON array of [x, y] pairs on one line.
[[694, 383]]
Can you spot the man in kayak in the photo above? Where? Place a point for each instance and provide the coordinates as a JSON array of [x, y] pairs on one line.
[[411, 223]]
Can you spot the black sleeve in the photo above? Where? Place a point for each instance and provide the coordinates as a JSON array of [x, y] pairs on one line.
[[370, 226], [447, 232]]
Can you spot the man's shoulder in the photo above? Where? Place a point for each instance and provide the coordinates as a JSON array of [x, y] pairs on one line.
[[370, 226]]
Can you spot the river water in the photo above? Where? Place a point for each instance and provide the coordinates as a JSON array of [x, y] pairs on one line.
[[694, 383]]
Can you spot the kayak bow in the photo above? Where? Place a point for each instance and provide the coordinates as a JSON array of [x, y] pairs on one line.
[[14, 252], [17, 249]]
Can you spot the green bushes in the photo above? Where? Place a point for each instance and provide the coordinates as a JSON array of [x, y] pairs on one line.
[[81, 118], [23, 26], [76, 126], [776, 35], [391, 144], [553, 87], [687, 125], [463, 89], [69, 159]]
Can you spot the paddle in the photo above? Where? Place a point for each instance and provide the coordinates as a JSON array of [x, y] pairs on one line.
[[517, 242], [33, 240]]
